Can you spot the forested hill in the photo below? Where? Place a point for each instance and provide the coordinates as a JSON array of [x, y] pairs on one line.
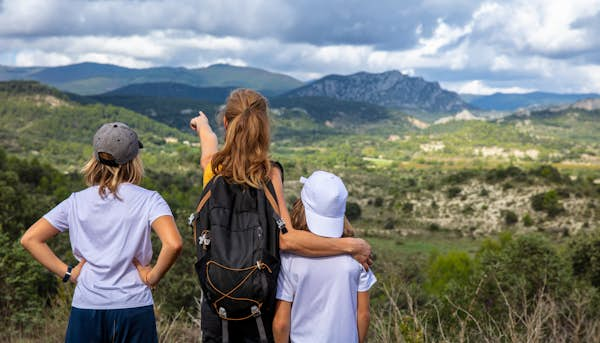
[[39, 121], [173, 90], [94, 78]]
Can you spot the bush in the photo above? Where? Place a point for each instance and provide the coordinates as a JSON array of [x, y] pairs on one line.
[[378, 202], [522, 268], [585, 257], [389, 224], [407, 207], [547, 172], [527, 221], [353, 211], [499, 174], [453, 192], [454, 268], [434, 227], [547, 202], [510, 217]]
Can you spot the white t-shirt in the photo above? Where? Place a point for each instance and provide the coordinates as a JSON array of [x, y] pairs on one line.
[[109, 233], [324, 295]]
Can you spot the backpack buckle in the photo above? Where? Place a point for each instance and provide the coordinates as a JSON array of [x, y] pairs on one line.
[[204, 240], [280, 223], [255, 311], [191, 219]]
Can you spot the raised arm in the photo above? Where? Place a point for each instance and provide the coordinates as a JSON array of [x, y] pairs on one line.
[[208, 139], [308, 244]]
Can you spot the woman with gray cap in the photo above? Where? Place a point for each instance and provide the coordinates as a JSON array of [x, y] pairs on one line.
[[109, 228]]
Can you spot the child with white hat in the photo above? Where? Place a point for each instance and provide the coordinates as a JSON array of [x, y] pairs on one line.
[[329, 294]]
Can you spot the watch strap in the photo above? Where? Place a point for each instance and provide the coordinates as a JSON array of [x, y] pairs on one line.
[[67, 274]]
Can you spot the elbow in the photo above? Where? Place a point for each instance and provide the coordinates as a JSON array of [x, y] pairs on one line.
[[26, 241], [176, 246]]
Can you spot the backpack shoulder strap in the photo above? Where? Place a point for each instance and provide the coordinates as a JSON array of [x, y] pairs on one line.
[[196, 216], [207, 193], [270, 197]]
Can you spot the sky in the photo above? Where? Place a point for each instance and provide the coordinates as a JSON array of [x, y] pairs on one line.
[[476, 47]]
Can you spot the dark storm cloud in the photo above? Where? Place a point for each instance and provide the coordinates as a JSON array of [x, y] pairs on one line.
[[384, 24], [542, 44]]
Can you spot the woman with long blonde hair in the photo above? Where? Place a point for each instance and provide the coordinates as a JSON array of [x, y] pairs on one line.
[[244, 159], [109, 227]]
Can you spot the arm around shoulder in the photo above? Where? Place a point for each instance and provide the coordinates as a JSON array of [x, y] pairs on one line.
[[308, 244]]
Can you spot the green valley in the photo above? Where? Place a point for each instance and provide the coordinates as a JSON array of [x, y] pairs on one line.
[[473, 222]]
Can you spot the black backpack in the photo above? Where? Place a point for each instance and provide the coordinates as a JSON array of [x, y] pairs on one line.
[[236, 233]]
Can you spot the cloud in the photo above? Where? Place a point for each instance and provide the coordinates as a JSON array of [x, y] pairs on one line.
[[479, 87], [483, 46]]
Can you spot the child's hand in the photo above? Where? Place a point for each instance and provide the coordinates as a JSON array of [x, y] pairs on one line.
[[198, 121]]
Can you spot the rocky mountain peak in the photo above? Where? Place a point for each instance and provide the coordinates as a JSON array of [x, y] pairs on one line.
[[390, 89]]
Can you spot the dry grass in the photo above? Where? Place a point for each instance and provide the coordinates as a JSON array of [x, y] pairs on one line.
[[544, 320]]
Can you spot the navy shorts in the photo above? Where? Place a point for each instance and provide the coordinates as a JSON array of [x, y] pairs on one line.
[[123, 325]]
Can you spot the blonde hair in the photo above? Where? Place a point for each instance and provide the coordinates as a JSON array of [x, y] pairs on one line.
[[108, 178], [299, 220], [244, 159]]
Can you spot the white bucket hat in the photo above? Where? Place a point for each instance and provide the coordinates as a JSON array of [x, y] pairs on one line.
[[324, 198]]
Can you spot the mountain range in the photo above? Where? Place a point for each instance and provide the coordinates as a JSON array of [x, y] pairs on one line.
[[512, 102], [95, 78], [392, 89]]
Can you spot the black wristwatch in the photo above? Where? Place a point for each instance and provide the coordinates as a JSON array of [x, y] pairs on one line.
[[67, 274]]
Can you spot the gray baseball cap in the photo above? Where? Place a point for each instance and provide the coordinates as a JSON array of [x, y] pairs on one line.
[[118, 140]]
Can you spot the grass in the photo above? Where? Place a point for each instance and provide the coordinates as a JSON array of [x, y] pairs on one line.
[[422, 245]]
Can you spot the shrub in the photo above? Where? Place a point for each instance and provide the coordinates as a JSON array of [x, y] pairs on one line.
[[407, 207], [547, 172], [378, 202], [389, 224], [585, 257], [460, 177], [510, 217], [353, 211], [527, 221], [455, 268], [434, 227], [468, 210], [547, 202], [434, 204], [453, 192], [522, 268]]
